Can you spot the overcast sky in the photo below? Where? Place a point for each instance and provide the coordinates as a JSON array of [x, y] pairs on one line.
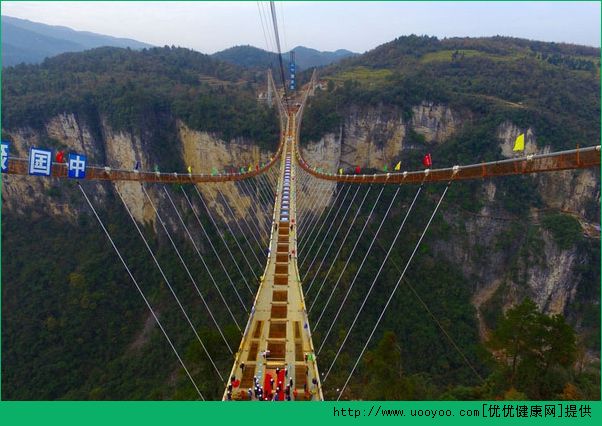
[[358, 26]]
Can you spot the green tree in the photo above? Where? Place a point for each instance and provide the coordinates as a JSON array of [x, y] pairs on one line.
[[535, 350]]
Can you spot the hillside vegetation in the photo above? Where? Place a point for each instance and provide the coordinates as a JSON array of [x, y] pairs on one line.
[[130, 87], [552, 87]]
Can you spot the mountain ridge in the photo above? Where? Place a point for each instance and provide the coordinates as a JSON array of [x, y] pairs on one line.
[[25, 41], [305, 57]]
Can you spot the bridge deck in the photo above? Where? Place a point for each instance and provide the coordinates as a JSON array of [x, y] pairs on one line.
[[277, 341]]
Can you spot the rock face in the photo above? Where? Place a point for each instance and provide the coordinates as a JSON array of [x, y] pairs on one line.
[[372, 137], [377, 136], [435, 122], [117, 149]]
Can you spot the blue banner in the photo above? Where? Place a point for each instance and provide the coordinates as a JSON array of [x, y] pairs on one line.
[[40, 162], [4, 160], [77, 166]]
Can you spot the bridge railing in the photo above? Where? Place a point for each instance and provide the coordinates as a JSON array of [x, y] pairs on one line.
[[20, 166], [563, 160]]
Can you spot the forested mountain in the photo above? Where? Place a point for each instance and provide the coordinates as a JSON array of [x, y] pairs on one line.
[[501, 252], [74, 326], [305, 58], [496, 242], [30, 42]]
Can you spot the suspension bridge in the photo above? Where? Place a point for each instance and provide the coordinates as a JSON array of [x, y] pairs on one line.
[[276, 358], [294, 218]]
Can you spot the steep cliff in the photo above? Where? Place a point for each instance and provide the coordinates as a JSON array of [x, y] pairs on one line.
[[504, 254], [121, 150]]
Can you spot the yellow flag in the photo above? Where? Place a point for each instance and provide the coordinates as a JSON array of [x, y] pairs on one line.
[[398, 166], [519, 143], [340, 171], [250, 168], [190, 169]]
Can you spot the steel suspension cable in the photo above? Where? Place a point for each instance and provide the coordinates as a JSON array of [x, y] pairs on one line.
[[237, 225], [264, 205], [314, 198], [263, 27], [302, 189], [350, 256], [215, 253], [382, 265], [317, 234], [169, 284], [219, 231], [255, 203], [320, 199], [148, 305], [437, 322], [395, 289], [332, 221], [256, 233], [268, 203], [258, 201], [243, 188], [188, 270], [336, 233], [198, 252], [268, 191], [322, 192], [360, 268], [275, 23]]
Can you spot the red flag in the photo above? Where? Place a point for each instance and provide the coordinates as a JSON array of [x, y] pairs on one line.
[[60, 157], [427, 160], [357, 170]]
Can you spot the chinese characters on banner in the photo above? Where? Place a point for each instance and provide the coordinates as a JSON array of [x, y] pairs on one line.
[[40, 162], [77, 166], [4, 161]]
